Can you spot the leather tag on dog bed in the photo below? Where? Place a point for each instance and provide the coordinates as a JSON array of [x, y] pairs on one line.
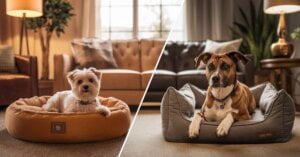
[[265, 135], [58, 127]]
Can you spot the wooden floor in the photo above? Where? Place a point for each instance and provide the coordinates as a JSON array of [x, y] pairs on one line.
[[145, 139]]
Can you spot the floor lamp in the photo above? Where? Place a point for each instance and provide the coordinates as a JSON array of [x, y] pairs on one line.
[[24, 9]]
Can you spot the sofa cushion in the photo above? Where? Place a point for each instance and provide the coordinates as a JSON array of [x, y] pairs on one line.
[[18, 85], [120, 79], [150, 51], [126, 53], [222, 47], [167, 59], [162, 79], [7, 59], [146, 75], [186, 54], [196, 77], [93, 53]]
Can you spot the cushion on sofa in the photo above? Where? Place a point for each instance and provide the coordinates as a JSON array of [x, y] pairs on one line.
[[274, 125], [7, 59], [127, 55], [93, 53], [196, 77], [146, 75], [120, 79], [150, 51], [185, 58], [221, 47], [162, 79], [167, 59]]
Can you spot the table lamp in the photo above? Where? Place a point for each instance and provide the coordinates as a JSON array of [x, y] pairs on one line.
[[281, 48], [24, 9]]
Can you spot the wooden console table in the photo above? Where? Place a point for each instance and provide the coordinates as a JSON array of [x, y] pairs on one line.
[[282, 67]]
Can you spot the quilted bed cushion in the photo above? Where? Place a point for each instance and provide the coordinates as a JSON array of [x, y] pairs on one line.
[[272, 121]]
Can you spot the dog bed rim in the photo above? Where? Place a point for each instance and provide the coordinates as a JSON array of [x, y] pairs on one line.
[[17, 107], [266, 115]]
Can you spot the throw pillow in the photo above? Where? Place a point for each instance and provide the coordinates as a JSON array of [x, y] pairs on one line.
[[7, 59], [221, 47], [93, 53]]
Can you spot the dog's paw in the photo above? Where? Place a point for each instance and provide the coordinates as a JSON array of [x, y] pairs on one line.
[[52, 110], [104, 111], [222, 129], [194, 127]]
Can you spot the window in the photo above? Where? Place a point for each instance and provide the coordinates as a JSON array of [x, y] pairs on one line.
[[126, 19]]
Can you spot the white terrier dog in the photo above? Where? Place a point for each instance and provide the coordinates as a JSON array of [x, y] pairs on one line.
[[83, 97]]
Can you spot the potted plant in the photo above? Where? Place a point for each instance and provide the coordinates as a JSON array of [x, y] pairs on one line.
[[296, 34], [56, 14], [258, 32]]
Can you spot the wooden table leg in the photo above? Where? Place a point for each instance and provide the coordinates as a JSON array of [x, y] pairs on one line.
[[273, 78], [283, 79]]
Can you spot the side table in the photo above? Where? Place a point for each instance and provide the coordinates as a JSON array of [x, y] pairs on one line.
[[282, 67]]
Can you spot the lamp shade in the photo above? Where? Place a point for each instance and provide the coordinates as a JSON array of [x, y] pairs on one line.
[[32, 8], [281, 6]]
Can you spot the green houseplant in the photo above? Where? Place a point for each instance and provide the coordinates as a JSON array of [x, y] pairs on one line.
[[296, 34], [56, 14], [258, 32]]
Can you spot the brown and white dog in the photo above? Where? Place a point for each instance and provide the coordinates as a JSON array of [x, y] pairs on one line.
[[227, 100]]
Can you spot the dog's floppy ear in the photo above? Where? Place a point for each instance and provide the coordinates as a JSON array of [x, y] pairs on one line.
[[98, 73], [204, 57], [237, 56], [71, 75]]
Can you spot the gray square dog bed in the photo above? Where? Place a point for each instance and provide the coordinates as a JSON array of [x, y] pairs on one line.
[[272, 121]]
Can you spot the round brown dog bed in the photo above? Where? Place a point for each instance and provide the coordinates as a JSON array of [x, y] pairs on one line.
[[25, 119]]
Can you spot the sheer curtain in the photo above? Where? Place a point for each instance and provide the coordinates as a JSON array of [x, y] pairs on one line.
[[90, 18], [208, 19]]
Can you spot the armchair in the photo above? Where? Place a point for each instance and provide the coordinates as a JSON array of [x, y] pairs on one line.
[[22, 84]]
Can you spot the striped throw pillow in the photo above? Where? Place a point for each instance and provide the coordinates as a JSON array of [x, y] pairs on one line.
[[7, 59]]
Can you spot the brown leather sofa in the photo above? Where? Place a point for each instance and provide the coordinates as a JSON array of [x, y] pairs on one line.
[[177, 67], [135, 58], [23, 84]]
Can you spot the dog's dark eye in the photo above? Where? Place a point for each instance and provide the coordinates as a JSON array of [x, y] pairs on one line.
[[79, 82], [91, 80], [211, 67], [225, 66]]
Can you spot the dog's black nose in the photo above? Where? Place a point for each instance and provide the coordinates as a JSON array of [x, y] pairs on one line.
[[216, 79], [85, 87]]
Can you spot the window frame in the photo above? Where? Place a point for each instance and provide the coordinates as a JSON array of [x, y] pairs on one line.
[[135, 18]]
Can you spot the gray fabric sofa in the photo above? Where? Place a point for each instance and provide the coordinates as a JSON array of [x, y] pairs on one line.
[[272, 121]]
